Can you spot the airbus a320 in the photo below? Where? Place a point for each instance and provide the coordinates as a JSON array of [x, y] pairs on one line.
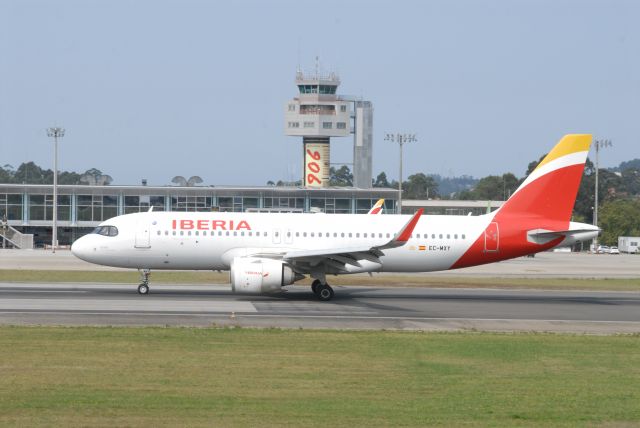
[[266, 252]]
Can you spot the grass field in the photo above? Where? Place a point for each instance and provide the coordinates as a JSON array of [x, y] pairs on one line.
[[239, 377], [424, 280]]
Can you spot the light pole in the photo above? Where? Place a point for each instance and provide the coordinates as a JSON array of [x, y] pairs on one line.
[[598, 145], [401, 138], [55, 133]]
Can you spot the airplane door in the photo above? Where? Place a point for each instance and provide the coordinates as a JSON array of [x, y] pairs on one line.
[[276, 236], [288, 237], [492, 238], [143, 234]]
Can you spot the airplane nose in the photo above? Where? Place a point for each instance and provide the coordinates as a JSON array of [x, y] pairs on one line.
[[80, 248]]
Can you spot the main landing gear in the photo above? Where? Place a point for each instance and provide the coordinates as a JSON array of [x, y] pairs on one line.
[[323, 291], [143, 288]]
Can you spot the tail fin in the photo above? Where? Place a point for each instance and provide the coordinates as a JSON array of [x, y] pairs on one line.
[[550, 191], [377, 208]]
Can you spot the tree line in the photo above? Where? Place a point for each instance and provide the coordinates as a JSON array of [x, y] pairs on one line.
[[30, 173]]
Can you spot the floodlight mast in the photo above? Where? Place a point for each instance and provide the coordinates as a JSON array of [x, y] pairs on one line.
[[598, 144], [55, 133], [400, 138]]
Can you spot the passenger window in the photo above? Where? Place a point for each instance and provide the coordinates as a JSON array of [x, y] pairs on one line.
[[342, 235], [166, 233], [235, 233], [297, 234], [350, 235], [189, 233], [388, 236], [242, 233], [440, 236], [304, 234], [197, 233], [357, 235], [448, 236], [174, 233], [335, 235], [250, 233], [227, 233], [463, 237], [219, 233], [364, 235], [455, 236], [433, 236]]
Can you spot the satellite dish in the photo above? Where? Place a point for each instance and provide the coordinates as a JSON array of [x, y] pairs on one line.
[[179, 180]]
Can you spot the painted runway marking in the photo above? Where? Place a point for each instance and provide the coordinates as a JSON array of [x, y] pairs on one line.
[[142, 305], [41, 291]]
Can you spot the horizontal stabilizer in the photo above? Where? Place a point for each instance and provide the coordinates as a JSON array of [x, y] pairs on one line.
[[543, 236]]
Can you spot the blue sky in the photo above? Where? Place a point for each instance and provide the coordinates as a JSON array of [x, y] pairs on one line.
[[154, 89]]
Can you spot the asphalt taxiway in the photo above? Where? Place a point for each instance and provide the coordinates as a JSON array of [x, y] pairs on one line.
[[352, 308]]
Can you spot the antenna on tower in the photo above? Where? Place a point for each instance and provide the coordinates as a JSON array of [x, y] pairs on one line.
[[317, 66]]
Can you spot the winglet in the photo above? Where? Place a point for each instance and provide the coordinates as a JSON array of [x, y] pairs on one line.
[[405, 233]]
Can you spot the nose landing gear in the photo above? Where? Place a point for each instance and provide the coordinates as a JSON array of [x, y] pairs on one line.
[[143, 288]]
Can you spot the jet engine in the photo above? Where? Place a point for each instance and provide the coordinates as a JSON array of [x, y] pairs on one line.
[[256, 275]]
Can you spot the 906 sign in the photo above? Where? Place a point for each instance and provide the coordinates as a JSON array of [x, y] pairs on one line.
[[316, 161]]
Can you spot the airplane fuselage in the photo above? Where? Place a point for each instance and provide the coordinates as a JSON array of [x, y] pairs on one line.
[[210, 241]]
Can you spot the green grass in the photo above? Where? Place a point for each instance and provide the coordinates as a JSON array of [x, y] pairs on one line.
[[423, 280], [243, 377]]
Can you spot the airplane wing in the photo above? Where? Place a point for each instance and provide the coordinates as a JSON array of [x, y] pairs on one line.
[[377, 208], [338, 258]]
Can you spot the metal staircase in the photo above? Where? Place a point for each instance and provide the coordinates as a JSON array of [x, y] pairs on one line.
[[16, 238]]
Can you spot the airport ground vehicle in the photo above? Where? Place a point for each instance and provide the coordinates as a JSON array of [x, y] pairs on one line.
[[629, 244], [265, 252], [614, 250]]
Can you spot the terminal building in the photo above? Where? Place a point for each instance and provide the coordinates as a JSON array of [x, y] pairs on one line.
[[29, 207]]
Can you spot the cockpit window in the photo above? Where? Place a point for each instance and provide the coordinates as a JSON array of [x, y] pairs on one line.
[[106, 230]]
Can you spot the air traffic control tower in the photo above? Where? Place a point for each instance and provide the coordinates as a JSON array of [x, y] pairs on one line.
[[318, 114]]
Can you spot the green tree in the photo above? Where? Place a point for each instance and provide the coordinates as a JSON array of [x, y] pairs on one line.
[[381, 180], [419, 186], [6, 174], [492, 188], [341, 177], [619, 218], [30, 173]]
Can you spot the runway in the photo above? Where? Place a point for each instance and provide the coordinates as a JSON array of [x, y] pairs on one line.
[[352, 308]]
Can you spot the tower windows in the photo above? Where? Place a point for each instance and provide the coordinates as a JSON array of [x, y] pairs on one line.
[[341, 125], [327, 125]]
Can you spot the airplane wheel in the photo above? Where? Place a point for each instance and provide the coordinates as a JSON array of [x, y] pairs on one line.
[[325, 292], [314, 286], [143, 289]]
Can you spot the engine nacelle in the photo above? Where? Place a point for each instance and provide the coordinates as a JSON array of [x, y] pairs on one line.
[[256, 275]]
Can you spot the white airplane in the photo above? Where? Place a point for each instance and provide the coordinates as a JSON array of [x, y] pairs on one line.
[[266, 252]]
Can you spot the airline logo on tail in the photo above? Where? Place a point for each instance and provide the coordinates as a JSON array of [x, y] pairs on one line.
[[377, 208]]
